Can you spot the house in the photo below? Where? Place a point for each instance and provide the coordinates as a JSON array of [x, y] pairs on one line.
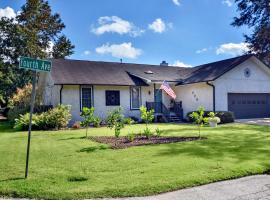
[[240, 84]]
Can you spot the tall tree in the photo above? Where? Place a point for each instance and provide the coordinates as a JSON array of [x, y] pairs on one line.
[[35, 32], [256, 15]]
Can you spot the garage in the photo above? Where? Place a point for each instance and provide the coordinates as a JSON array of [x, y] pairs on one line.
[[249, 105]]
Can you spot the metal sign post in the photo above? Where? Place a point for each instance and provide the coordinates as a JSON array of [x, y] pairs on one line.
[[35, 65], [33, 98]]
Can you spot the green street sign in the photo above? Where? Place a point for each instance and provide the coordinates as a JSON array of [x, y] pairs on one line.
[[35, 64]]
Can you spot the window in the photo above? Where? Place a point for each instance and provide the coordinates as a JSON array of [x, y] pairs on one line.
[[135, 97], [112, 98], [86, 97]]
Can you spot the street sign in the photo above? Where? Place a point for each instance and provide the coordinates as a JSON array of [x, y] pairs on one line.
[[35, 64]]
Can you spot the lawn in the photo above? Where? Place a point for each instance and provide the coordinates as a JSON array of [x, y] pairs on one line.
[[63, 165]]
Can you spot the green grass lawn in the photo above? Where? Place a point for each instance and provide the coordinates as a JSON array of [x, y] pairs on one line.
[[58, 159]]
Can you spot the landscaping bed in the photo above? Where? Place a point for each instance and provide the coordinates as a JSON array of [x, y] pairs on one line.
[[124, 142]]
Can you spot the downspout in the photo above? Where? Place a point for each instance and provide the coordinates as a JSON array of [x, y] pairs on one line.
[[61, 94], [214, 95]]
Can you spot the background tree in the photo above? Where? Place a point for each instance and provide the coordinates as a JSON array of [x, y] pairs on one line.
[[256, 15], [35, 32]]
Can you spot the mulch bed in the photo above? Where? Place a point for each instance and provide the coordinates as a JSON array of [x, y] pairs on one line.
[[123, 142]]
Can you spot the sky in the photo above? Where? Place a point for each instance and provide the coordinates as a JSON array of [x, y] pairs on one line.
[[182, 32]]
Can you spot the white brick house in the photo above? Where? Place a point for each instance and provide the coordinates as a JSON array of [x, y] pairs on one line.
[[240, 84]]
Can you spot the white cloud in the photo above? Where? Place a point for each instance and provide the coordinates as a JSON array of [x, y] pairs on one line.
[[115, 24], [86, 52], [7, 12], [234, 49], [201, 50], [176, 2], [124, 50], [159, 26], [178, 63], [229, 3]]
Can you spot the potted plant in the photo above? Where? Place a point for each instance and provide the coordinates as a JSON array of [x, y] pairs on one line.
[[213, 120]]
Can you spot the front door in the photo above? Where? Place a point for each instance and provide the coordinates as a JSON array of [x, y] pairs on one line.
[[158, 101]]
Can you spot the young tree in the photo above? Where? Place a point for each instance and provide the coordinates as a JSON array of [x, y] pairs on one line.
[[35, 32], [256, 15], [115, 120], [147, 116], [88, 118], [198, 117]]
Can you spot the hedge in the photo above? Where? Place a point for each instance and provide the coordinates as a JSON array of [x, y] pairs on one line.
[[225, 116]]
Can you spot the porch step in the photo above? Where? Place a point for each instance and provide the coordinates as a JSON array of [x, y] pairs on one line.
[[174, 118]]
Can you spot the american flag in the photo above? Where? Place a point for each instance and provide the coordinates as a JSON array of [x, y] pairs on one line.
[[165, 86]]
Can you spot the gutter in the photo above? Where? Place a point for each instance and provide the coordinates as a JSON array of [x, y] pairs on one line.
[[61, 94], [214, 95]]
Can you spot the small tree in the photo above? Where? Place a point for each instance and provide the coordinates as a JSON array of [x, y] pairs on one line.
[[115, 120], [198, 117], [88, 118], [147, 116]]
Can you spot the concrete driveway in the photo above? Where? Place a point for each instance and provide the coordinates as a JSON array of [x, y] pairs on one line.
[[247, 188], [258, 121]]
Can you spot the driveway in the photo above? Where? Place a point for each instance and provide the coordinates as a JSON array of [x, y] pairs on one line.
[[247, 188], [258, 121]]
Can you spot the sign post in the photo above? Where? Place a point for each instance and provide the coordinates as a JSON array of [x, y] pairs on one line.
[[35, 65]]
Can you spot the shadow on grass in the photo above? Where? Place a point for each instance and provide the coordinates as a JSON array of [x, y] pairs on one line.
[[12, 179], [6, 126], [72, 138], [92, 149], [242, 143], [77, 179]]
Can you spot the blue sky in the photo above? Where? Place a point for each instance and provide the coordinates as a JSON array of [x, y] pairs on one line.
[[182, 32]]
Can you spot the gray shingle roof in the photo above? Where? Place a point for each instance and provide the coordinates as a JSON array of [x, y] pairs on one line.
[[77, 72]]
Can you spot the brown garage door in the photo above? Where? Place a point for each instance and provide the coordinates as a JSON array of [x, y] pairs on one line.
[[249, 105]]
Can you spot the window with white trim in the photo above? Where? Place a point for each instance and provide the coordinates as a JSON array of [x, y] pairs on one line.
[[135, 95], [86, 97]]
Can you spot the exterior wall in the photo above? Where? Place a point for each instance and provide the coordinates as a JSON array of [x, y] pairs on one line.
[[194, 95], [71, 96], [235, 81]]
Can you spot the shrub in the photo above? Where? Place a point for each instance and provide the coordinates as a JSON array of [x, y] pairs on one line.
[[158, 132], [22, 123], [198, 118], [225, 116], [96, 122], [147, 132], [115, 120], [131, 137], [88, 117], [55, 118], [128, 121]]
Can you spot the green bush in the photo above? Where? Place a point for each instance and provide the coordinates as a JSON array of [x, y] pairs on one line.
[[131, 137], [129, 121], [55, 118], [225, 116], [97, 122], [22, 123], [158, 132]]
